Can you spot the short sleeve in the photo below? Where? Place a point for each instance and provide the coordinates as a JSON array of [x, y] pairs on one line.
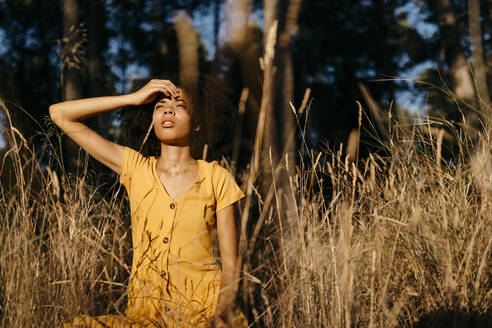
[[226, 190], [131, 160]]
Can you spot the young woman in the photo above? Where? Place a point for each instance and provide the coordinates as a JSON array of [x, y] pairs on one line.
[[175, 201]]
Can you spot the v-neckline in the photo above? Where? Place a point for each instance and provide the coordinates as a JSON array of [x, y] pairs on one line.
[[163, 188]]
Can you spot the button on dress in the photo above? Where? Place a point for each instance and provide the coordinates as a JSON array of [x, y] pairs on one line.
[[175, 280]]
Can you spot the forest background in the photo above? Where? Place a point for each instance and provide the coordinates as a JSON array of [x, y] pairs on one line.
[[114, 45], [396, 87]]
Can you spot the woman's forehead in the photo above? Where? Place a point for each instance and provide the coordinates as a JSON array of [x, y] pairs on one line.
[[164, 98], [182, 99]]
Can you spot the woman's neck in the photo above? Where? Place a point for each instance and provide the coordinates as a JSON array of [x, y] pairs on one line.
[[174, 157]]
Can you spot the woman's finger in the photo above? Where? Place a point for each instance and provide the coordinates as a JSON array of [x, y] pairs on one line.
[[171, 87], [165, 91], [174, 89], [171, 91]]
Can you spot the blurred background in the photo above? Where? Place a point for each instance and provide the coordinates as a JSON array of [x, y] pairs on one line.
[[404, 57]]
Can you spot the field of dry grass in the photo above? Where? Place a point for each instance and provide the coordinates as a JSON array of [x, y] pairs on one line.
[[390, 242]]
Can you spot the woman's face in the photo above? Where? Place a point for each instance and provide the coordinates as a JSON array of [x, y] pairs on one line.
[[172, 119]]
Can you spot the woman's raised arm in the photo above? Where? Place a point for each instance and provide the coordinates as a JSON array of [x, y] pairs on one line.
[[68, 114]]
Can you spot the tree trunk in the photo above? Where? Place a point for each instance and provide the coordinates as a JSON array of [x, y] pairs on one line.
[[242, 45], [462, 80], [216, 23], [187, 45], [477, 55], [285, 76], [71, 76], [94, 65]]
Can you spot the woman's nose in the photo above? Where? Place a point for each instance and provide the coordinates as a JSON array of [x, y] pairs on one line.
[[169, 111]]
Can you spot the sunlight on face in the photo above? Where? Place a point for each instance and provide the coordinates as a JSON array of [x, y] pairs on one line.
[[172, 120]]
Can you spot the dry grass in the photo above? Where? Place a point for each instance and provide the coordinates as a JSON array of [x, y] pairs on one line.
[[63, 247], [379, 244], [387, 243]]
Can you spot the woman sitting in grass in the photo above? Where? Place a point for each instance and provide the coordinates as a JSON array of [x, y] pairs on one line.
[[175, 201]]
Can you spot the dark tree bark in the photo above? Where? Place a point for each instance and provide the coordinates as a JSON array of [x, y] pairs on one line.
[[241, 50], [455, 58], [289, 11], [95, 60], [71, 76], [477, 54], [216, 23]]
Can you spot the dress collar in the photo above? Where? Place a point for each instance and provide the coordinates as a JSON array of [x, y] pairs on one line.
[[201, 167]]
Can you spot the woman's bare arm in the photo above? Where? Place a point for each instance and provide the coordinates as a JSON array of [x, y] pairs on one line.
[[226, 235], [68, 114]]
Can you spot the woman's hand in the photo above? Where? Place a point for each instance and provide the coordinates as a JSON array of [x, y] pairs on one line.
[[149, 92]]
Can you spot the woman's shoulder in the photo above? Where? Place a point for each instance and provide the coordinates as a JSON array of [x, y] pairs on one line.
[[133, 160], [224, 186], [213, 168], [217, 174], [135, 155]]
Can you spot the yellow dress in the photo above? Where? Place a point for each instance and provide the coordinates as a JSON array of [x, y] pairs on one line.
[[175, 279]]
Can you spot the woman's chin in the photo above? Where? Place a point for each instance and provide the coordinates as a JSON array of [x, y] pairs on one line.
[[170, 141]]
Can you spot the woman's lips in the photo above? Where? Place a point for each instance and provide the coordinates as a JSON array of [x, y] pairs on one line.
[[167, 123]]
